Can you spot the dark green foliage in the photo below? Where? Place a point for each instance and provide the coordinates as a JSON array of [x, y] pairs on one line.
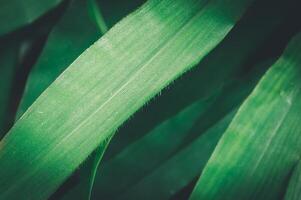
[[157, 99]]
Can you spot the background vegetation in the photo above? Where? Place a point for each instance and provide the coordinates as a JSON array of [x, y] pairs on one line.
[[157, 99]]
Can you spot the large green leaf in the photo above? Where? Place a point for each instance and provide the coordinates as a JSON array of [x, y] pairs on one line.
[[254, 157], [71, 36], [105, 86], [153, 164], [15, 14], [68, 35], [177, 124], [201, 82], [243, 42], [68, 39]]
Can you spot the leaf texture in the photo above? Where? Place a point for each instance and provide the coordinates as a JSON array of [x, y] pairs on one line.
[[203, 81], [262, 144], [140, 157], [293, 191], [181, 164], [47, 147], [69, 35]]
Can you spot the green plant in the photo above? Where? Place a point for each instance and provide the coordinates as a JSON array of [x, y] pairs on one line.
[[181, 99]]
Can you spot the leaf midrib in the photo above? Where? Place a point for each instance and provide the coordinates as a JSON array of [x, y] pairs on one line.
[[136, 73]]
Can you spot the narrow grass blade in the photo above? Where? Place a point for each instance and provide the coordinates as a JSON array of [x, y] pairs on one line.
[[262, 144], [97, 16], [105, 86]]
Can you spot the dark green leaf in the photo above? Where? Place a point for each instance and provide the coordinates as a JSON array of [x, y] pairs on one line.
[[294, 188], [15, 14], [254, 157]]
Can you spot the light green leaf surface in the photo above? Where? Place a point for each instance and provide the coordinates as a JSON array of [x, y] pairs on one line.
[[203, 82], [71, 36], [89, 101], [254, 157], [68, 39]]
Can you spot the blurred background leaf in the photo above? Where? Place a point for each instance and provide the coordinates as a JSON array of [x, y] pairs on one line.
[[15, 14]]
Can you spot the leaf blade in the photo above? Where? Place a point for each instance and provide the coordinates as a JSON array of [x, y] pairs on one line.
[[293, 191], [250, 156], [90, 111]]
